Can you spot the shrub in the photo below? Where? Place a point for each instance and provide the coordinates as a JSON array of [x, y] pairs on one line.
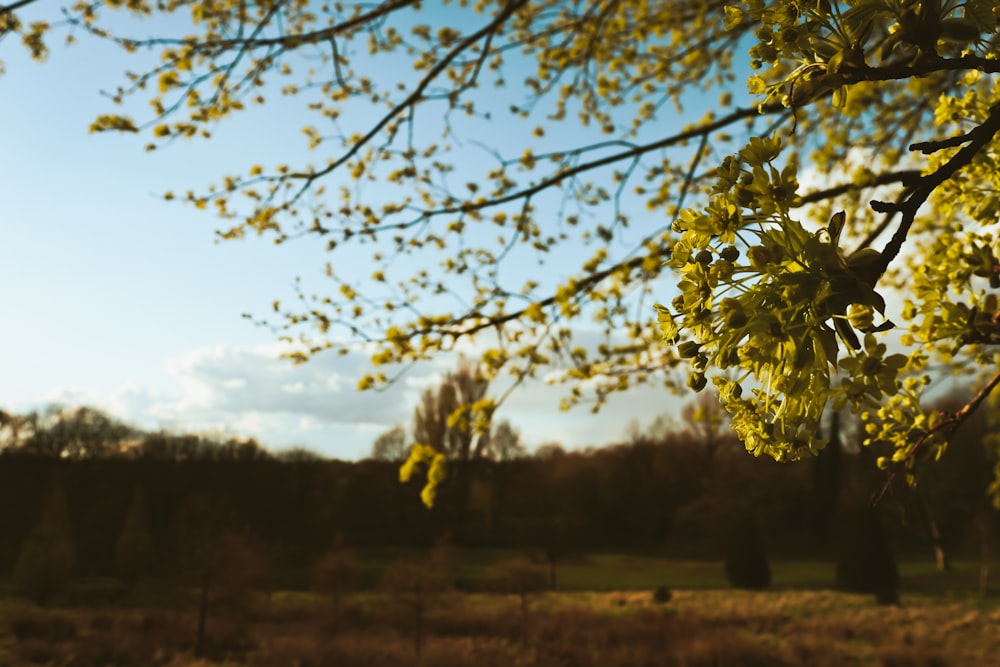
[[746, 563], [662, 595], [45, 566], [56, 629], [867, 563], [134, 551], [336, 573], [518, 575]]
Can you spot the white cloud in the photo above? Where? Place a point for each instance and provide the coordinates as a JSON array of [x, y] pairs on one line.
[[250, 391]]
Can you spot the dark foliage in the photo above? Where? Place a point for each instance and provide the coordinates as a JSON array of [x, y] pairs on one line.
[[46, 564], [662, 595], [867, 563], [746, 562]]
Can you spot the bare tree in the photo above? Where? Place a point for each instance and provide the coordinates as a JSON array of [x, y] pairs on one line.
[[391, 445], [505, 442], [455, 420]]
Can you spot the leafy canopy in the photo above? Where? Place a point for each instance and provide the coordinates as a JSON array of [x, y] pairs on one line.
[[783, 297]]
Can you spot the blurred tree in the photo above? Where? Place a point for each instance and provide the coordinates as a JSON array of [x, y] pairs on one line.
[[746, 563], [453, 424], [76, 433], [47, 562], [520, 576], [11, 430], [336, 573], [415, 583], [134, 551], [391, 445], [549, 450], [827, 476], [945, 507], [223, 561], [297, 455], [235, 449], [707, 423], [867, 563], [505, 442]]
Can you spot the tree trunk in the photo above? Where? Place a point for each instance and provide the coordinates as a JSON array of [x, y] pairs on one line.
[[199, 642], [984, 552], [941, 559]]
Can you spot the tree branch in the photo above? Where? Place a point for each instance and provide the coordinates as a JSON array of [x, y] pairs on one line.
[[906, 177], [949, 424], [976, 140], [637, 151], [923, 68], [9, 9], [414, 96]]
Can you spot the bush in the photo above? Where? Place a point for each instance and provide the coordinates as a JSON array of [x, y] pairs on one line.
[[45, 566], [662, 595], [866, 563], [518, 575], [336, 573], [56, 629], [746, 563], [134, 551]]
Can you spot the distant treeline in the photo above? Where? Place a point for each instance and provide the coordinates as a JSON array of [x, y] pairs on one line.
[[680, 492]]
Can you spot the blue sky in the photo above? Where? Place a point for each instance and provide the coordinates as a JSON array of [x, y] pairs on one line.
[[118, 299]]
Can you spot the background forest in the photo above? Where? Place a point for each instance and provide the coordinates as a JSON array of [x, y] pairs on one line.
[[680, 487]]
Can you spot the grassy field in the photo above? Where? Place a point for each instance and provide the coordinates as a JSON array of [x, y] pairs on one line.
[[604, 615], [616, 571]]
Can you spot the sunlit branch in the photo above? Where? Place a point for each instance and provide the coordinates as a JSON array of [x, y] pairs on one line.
[[486, 322], [978, 138], [948, 425]]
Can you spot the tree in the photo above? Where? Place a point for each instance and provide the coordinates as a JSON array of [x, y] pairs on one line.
[[415, 583], [391, 445], [789, 314], [827, 475], [336, 572], [58, 432], [452, 423], [47, 562], [211, 552], [777, 286], [706, 421], [746, 563], [505, 442], [867, 563], [134, 550], [521, 576]]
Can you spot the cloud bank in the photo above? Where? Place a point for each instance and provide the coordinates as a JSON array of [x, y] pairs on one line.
[[250, 391]]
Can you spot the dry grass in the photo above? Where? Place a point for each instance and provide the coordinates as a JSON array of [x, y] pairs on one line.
[[699, 628]]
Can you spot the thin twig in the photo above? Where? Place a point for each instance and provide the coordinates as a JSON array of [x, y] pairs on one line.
[[945, 428], [977, 139]]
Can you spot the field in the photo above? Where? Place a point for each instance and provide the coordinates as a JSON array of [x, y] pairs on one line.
[[604, 614]]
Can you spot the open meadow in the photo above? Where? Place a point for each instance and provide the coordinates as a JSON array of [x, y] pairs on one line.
[[605, 613]]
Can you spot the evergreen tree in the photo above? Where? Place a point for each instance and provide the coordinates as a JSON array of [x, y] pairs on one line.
[[867, 563], [746, 562], [47, 561], [134, 551], [827, 477]]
